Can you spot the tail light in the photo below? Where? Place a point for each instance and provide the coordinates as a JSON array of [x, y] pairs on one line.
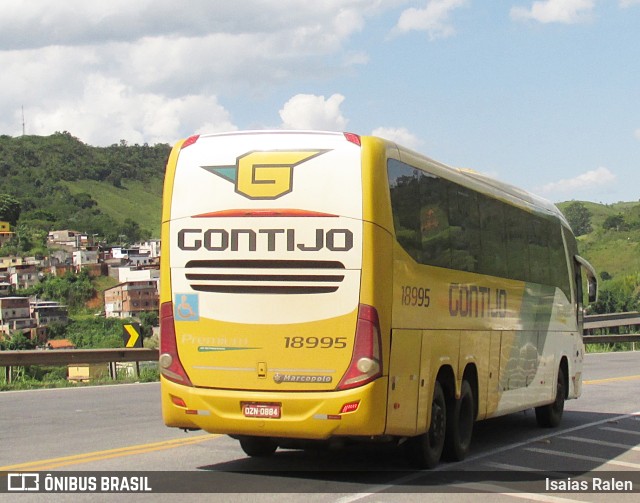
[[366, 362], [353, 138], [189, 141], [170, 365]]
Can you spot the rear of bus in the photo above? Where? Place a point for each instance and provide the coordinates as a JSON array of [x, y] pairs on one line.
[[269, 326]]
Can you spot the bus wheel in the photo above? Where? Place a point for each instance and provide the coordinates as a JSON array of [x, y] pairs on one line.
[[460, 425], [258, 447], [549, 416], [425, 450]]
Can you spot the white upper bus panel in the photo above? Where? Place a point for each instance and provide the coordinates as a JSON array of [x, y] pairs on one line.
[[319, 172]]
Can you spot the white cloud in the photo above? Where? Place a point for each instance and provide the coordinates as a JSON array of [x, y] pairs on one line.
[[628, 3], [402, 136], [434, 18], [35, 23], [108, 111], [555, 11], [591, 180], [636, 133], [307, 111], [150, 59]]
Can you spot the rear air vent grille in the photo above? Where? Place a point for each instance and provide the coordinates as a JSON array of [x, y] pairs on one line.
[[265, 276]]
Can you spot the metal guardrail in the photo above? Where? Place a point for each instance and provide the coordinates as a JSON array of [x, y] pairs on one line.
[[10, 359], [601, 322], [611, 320], [77, 356]]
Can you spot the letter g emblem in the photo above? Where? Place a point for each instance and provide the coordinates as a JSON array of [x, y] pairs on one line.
[[264, 174]]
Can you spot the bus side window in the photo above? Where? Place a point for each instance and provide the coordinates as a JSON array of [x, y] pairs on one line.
[[434, 222], [404, 184]]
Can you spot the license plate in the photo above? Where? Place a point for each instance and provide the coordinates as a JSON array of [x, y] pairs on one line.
[[262, 410]]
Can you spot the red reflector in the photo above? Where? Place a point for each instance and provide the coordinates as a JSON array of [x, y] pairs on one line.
[[191, 412], [353, 138], [349, 407], [178, 401], [189, 141]]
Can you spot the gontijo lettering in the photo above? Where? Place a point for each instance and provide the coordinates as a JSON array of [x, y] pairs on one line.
[[269, 240], [477, 301]]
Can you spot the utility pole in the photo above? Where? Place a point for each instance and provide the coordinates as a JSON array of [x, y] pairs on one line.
[[23, 124]]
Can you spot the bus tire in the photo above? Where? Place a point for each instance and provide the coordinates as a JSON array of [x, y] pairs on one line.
[[549, 416], [460, 425], [425, 450], [258, 447]]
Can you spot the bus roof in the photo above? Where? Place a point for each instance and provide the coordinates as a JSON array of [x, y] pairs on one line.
[[484, 184], [466, 177]]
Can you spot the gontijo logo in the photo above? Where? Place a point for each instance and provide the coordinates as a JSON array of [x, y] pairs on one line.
[[264, 174]]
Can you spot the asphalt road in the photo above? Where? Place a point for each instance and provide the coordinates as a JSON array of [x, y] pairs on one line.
[[119, 428]]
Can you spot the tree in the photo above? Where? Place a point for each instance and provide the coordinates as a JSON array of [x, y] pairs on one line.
[[615, 222], [604, 276], [71, 289], [579, 217], [17, 341], [621, 294], [148, 320], [9, 209], [132, 232]]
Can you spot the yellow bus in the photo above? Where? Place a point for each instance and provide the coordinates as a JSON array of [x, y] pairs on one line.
[[330, 286]]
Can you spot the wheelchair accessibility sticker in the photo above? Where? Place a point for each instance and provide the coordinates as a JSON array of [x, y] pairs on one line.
[[186, 307]]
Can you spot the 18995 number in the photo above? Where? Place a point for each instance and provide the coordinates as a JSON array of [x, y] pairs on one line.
[[315, 342], [415, 296]]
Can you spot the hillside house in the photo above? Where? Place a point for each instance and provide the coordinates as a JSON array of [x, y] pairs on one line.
[[83, 258], [150, 248], [125, 273], [5, 233], [24, 276], [131, 298], [12, 261], [60, 344], [5, 284], [46, 312], [15, 315], [68, 239]]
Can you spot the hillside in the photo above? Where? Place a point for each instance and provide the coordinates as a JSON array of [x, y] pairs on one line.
[[614, 250], [136, 200], [62, 183]]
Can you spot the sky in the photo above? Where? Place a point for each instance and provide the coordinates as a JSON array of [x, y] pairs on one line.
[[541, 94]]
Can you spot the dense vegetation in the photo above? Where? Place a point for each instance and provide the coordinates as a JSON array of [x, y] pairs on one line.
[[57, 182], [609, 237], [72, 290]]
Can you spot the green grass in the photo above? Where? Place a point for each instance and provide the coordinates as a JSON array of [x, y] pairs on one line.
[[141, 202], [611, 347], [616, 252]]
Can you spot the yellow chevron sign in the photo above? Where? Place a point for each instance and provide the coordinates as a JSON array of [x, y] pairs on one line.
[[131, 335]]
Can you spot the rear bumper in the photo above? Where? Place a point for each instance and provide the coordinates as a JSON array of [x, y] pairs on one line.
[[305, 415]]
